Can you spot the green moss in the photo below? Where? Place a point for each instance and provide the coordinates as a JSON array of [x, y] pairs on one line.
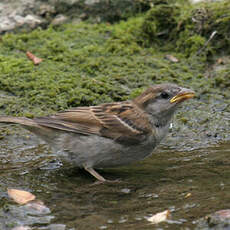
[[192, 45], [221, 74], [160, 22], [87, 64], [183, 27]]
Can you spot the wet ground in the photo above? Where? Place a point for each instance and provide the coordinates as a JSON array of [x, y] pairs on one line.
[[191, 184]]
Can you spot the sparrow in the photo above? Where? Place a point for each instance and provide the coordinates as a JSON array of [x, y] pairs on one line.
[[110, 134]]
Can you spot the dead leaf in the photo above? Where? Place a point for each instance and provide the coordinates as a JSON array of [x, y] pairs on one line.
[[33, 58], [171, 58], [20, 196], [188, 195], [220, 61], [159, 217]]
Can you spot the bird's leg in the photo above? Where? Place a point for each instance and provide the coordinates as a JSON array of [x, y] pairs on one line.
[[95, 174]]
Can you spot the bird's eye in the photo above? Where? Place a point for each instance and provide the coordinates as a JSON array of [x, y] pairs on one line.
[[164, 95]]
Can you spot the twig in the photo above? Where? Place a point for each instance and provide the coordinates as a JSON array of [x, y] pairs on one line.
[[206, 43]]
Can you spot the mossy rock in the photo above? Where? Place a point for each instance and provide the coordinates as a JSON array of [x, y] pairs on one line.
[[183, 27], [160, 22]]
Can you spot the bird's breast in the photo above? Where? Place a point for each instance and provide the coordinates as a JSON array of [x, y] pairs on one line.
[[161, 132], [100, 152]]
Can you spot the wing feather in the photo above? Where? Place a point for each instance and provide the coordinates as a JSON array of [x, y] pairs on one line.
[[120, 121]]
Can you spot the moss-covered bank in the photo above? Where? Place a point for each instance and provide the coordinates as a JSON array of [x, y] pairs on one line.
[[85, 64], [187, 28]]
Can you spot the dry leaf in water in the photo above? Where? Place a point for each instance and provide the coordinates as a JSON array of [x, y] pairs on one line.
[[188, 195], [20, 196], [33, 58], [159, 217]]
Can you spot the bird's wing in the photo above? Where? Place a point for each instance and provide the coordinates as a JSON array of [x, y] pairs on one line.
[[119, 121], [122, 120]]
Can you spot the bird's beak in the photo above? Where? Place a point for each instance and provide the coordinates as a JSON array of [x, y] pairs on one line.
[[183, 95]]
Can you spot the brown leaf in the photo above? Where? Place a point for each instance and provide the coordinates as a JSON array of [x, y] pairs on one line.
[[20, 196], [33, 58]]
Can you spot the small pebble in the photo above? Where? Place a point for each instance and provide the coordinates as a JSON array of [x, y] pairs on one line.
[[122, 220], [125, 190]]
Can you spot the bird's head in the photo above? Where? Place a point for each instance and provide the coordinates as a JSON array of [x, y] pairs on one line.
[[161, 101]]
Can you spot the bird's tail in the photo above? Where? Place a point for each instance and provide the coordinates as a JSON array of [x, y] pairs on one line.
[[18, 120], [44, 133]]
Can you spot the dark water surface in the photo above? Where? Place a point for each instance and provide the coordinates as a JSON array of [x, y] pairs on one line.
[[190, 184]]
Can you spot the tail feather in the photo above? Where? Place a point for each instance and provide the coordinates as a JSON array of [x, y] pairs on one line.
[[18, 120], [47, 134]]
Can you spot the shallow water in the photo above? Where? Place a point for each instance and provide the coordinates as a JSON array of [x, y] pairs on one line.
[[191, 184]]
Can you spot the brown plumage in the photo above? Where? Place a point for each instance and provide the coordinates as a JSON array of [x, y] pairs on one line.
[[112, 120]]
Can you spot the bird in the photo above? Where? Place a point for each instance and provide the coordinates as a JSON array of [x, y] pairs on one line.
[[110, 134]]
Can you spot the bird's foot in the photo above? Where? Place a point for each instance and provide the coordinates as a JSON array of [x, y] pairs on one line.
[[100, 179]]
